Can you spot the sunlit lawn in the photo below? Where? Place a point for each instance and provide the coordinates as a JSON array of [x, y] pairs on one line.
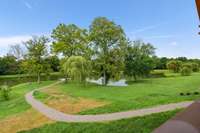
[[142, 94], [17, 102], [135, 125]]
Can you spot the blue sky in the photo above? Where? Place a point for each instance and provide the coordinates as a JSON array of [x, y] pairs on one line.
[[170, 25]]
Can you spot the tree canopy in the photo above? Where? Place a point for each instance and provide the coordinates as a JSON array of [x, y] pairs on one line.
[[139, 59], [77, 67], [108, 43], [36, 55], [69, 40]]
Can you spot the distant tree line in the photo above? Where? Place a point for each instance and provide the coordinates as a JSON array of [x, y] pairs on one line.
[[161, 62], [10, 65], [102, 50]]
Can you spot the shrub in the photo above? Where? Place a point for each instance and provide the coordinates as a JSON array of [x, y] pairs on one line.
[[174, 66], [157, 74], [188, 93], [186, 71], [5, 92], [195, 67]]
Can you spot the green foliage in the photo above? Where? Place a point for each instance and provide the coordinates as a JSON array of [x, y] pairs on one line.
[[54, 63], [195, 67], [145, 124], [5, 92], [17, 104], [138, 59], [186, 71], [157, 74], [160, 63], [12, 80], [174, 65], [41, 95], [35, 58], [182, 59], [77, 68], [9, 65], [108, 44], [70, 40]]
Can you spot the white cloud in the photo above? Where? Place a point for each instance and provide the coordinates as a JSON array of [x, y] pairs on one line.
[[150, 27], [144, 29], [134, 34], [173, 44], [27, 4], [160, 37], [5, 42]]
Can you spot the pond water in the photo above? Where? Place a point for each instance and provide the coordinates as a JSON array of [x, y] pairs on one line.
[[121, 82]]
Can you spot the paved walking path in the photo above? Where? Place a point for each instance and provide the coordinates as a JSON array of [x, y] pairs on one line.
[[62, 117]]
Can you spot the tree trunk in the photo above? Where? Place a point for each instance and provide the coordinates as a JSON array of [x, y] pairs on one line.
[[104, 78], [135, 77], [38, 80]]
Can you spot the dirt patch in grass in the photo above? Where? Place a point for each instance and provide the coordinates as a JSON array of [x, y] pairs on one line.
[[53, 92], [68, 104], [24, 121], [72, 106]]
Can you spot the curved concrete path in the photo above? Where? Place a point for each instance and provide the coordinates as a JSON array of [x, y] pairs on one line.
[[62, 117]]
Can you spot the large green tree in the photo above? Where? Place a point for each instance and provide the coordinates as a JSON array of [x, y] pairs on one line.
[[139, 59], [69, 40], [35, 58], [107, 43], [77, 67]]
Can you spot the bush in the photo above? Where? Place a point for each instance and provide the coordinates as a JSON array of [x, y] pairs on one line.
[[157, 74], [188, 93], [5, 92], [174, 65], [195, 67], [186, 71]]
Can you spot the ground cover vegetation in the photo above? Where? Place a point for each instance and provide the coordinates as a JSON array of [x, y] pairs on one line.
[[134, 125], [16, 102], [146, 93]]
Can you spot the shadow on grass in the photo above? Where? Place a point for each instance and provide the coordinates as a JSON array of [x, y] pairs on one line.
[[131, 82]]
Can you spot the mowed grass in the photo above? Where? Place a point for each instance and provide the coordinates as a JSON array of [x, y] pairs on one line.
[[17, 102], [134, 125], [143, 94]]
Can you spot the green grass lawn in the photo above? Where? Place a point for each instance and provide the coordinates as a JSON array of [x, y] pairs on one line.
[[135, 125], [143, 94], [17, 102]]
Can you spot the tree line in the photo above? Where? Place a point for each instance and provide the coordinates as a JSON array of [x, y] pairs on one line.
[[102, 50]]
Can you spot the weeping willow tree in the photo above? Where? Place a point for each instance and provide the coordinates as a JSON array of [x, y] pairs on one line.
[[77, 68]]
